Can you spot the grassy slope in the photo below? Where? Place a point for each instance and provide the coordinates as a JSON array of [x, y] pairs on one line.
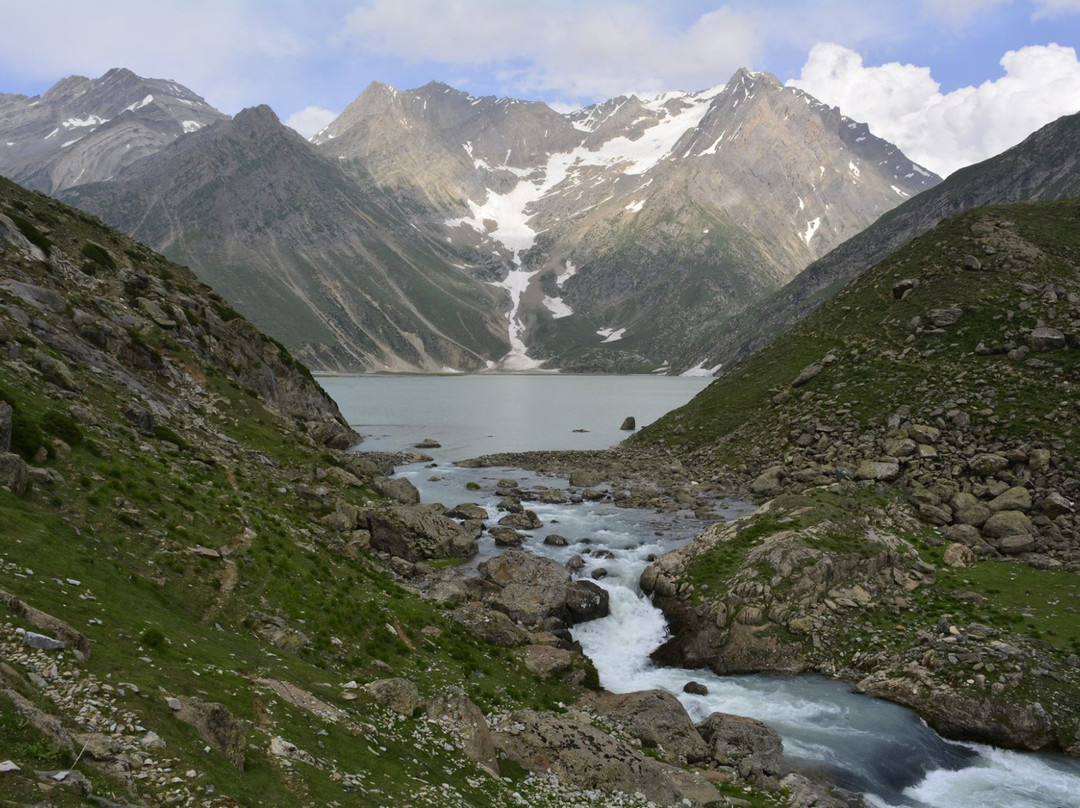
[[122, 518]]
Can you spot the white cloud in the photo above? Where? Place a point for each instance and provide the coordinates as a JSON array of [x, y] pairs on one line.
[[578, 50], [310, 120], [944, 132]]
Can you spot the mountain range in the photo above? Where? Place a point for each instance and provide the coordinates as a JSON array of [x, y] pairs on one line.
[[432, 230]]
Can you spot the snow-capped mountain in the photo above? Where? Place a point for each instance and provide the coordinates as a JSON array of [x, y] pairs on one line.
[[431, 230], [84, 130], [633, 221]]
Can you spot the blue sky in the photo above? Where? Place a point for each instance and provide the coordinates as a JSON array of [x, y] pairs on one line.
[[950, 81]]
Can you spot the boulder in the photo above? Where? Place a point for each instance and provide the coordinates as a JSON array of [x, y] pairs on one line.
[[958, 555], [628, 424], [940, 318], [924, 434], [546, 662], [749, 746], [398, 489], [218, 727], [489, 625], [770, 482], [1007, 523], [657, 719], [454, 711], [468, 510], [1016, 498], [1055, 505], [533, 589], [807, 373], [400, 695], [902, 288], [878, 470], [526, 520], [987, 464], [1046, 339], [507, 537], [586, 601], [1014, 545], [555, 540], [968, 510], [14, 473], [585, 756], [417, 532]]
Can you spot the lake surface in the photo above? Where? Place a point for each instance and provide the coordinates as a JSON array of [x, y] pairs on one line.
[[879, 749], [483, 414]]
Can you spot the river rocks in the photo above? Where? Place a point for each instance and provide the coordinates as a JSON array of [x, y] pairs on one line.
[[468, 511], [400, 695], [579, 753], [507, 537], [534, 589], [525, 520], [657, 719], [455, 712], [417, 532], [751, 747]]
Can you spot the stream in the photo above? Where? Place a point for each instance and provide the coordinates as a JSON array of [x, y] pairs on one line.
[[866, 745]]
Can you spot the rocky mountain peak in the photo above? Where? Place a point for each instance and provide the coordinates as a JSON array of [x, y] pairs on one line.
[[84, 130]]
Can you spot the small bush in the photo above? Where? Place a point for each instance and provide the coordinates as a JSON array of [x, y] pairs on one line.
[[98, 255], [152, 638], [62, 426], [33, 235]]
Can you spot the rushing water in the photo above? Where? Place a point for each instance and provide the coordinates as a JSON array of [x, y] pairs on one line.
[[866, 745]]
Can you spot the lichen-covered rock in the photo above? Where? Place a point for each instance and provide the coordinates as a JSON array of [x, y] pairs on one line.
[[751, 747], [581, 754], [400, 695], [454, 711], [657, 719], [218, 727], [417, 532]]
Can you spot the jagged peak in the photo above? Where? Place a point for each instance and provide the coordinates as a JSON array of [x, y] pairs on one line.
[[257, 116]]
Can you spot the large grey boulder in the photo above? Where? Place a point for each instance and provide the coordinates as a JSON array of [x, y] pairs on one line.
[[657, 719], [489, 625], [1007, 523], [218, 727], [417, 532], [400, 695], [397, 489], [14, 473], [532, 589], [751, 747], [585, 756], [455, 712]]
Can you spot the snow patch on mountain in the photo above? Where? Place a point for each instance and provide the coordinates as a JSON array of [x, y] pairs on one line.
[[558, 307], [612, 334], [700, 370], [139, 104]]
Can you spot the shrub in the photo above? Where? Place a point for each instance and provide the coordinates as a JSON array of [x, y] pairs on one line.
[[152, 638], [98, 255], [62, 426], [33, 235]]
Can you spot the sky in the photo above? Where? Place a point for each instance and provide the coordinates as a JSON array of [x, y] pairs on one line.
[[951, 82]]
